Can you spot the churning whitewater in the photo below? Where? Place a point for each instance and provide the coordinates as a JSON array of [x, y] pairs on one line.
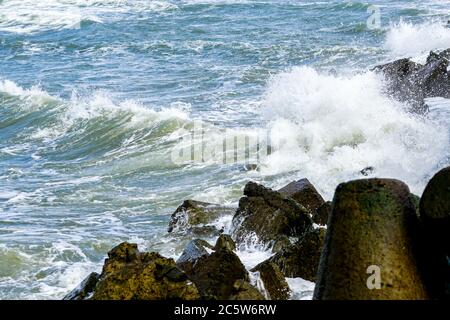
[[95, 96]]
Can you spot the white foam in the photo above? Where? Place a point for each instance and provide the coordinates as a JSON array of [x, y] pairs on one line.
[[251, 255], [301, 289], [256, 281], [29, 16], [328, 128], [35, 94], [407, 39], [97, 104]]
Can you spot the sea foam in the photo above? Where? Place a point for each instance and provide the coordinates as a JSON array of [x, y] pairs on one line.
[[328, 128], [408, 39]]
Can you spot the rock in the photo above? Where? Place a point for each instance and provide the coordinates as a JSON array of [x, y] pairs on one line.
[[85, 289], [435, 216], [416, 201], [215, 274], [432, 79], [397, 74], [320, 216], [196, 214], [412, 82], [203, 231], [435, 56], [268, 215], [304, 193], [367, 171], [225, 242], [372, 228], [242, 290], [131, 275], [251, 167], [274, 281], [280, 243], [435, 201], [194, 250], [301, 259], [445, 54]]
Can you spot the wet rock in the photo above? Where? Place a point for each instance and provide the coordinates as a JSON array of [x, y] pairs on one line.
[[412, 82], [197, 214], [203, 231], [132, 275], [320, 216], [372, 228], [397, 74], [215, 274], [85, 289], [433, 79], [445, 54], [242, 290], [416, 202], [367, 171], [268, 214], [435, 216], [194, 250], [225, 242], [301, 259], [304, 193], [274, 281], [281, 243], [215, 271], [399, 69], [435, 201]]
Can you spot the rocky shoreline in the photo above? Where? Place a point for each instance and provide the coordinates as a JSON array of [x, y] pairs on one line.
[[374, 240]]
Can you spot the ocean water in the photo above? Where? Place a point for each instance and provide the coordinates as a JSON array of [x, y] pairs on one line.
[[96, 95]]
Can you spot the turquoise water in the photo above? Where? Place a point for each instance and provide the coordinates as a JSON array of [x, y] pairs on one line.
[[95, 95]]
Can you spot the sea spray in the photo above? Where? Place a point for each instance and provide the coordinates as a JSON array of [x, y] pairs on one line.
[[406, 39], [335, 126]]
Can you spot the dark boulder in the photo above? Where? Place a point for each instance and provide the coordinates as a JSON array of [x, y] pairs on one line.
[[301, 259], [269, 215], [242, 290], [85, 289], [370, 247], [202, 231], [132, 275], [435, 217], [367, 171], [194, 216], [435, 201], [304, 193], [215, 272], [194, 250], [273, 280], [280, 243], [412, 82], [432, 79], [225, 242], [435, 56], [416, 201], [320, 216]]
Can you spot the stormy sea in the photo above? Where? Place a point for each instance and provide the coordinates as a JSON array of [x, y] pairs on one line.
[[98, 99]]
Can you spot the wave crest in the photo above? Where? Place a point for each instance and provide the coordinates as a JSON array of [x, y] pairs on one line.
[[328, 128], [408, 39]]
